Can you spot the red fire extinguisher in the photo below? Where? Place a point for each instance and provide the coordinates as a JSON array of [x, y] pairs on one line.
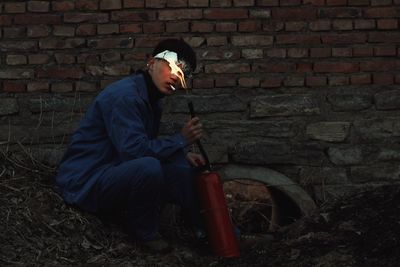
[[214, 209]]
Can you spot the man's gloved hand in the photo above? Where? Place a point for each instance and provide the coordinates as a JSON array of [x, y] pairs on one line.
[[192, 130], [195, 159]]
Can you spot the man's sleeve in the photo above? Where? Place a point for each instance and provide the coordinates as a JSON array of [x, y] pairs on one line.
[[128, 133]]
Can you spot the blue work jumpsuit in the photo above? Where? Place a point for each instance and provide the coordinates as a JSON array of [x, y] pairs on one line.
[[115, 162]]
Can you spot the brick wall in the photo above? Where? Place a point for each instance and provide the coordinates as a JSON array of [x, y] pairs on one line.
[[307, 87]]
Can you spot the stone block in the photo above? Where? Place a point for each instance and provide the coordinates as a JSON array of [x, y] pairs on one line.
[[349, 102], [8, 106], [328, 131], [388, 100], [381, 172], [381, 128], [345, 155], [284, 105], [323, 175]]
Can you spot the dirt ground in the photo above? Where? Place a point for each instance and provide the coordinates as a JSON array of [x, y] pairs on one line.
[[37, 228]]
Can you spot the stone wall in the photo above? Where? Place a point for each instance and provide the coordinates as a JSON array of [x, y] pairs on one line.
[[309, 88]]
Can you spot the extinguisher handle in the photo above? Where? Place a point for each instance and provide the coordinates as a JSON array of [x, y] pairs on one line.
[[207, 166]]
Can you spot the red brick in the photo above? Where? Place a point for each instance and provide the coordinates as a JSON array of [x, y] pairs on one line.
[[38, 6], [177, 3], [384, 37], [220, 14], [249, 82], [381, 2], [202, 83], [364, 24], [153, 27], [16, 60], [226, 27], [314, 2], [15, 7], [110, 4], [297, 52], [298, 39], [273, 67], [86, 30], [14, 87], [382, 12], [57, 43], [133, 15], [260, 13], [38, 59], [130, 28], [110, 57], [271, 82], [294, 26], [217, 41], [148, 41], [156, 3], [358, 2], [345, 67], [276, 52], [62, 6], [38, 31], [177, 26], [385, 51], [338, 80], [303, 14], [227, 68], [383, 79], [198, 3], [293, 81], [387, 24], [239, 3], [273, 26], [249, 26], [179, 14], [220, 3], [360, 79], [63, 31], [342, 24], [339, 12], [304, 67], [397, 79], [62, 58], [320, 52], [5, 20], [133, 3], [60, 73], [202, 26], [320, 25], [268, 2], [62, 87], [316, 81], [344, 38], [385, 65], [34, 19], [290, 2], [110, 43], [85, 87], [86, 17], [336, 2], [363, 51], [14, 32], [87, 4], [38, 87], [108, 29], [252, 53], [225, 81]]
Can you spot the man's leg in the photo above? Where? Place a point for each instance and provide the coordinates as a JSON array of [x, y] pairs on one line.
[[180, 190], [133, 190]]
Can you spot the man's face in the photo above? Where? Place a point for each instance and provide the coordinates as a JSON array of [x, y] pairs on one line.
[[160, 72]]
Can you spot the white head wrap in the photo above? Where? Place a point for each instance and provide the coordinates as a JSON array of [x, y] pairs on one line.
[[176, 65]]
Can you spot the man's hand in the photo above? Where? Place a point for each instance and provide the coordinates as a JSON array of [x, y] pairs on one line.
[[192, 130], [195, 159]]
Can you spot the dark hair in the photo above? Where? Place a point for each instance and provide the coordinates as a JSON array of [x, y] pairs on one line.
[[184, 51]]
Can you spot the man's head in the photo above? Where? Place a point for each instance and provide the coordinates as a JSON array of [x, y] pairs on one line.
[[173, 60]]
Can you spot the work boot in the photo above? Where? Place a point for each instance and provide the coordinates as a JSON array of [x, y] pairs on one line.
[[157, 245], [250, 241]]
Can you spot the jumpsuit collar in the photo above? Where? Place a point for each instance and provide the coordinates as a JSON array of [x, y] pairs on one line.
[[154, 95]]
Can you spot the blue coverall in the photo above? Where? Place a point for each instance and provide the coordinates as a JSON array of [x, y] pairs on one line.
[[115, 162]]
